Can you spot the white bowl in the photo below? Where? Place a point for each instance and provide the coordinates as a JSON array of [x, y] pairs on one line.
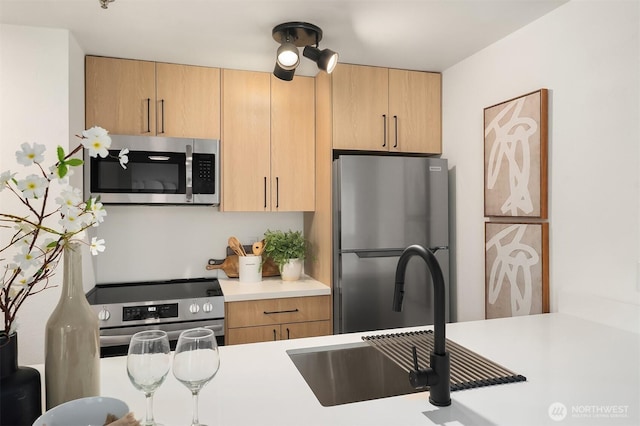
[[91, 411]]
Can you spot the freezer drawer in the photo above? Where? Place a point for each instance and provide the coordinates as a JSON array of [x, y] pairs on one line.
[[364, 291]]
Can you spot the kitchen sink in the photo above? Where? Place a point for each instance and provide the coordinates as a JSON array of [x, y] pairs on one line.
[[341, 374]]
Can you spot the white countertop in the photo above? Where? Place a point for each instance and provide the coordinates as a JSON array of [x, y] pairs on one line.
[[271, 288], [589, 368]]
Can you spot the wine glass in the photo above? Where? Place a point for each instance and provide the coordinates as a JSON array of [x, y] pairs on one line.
[[195, 362], [148, 363]]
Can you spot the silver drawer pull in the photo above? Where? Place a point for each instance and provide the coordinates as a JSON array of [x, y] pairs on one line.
[[281, 312]]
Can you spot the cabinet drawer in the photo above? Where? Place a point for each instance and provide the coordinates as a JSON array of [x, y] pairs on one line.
[[277, 311], [265, 333], [305, 329]]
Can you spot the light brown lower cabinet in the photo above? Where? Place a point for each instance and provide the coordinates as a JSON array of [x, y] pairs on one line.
[[277, 319], [266, 333]]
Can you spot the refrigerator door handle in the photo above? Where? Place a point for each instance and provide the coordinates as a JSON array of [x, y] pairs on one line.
[[436, 248], [373, 253], [390, 252]]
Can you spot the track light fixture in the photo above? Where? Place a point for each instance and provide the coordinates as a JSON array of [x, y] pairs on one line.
[[326, 59], [292, 35]]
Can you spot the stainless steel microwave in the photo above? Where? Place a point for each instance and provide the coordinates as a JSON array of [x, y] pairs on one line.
[[160, 170]]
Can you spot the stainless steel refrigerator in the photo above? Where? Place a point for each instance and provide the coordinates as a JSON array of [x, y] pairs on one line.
[[383, 204]]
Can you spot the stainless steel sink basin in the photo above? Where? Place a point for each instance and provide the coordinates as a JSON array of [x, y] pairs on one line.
[[341, 374]]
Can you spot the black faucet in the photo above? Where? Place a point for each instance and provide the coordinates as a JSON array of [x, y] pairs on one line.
[[437, 376]]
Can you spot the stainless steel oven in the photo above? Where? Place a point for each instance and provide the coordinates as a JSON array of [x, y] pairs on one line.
[[123, 309]]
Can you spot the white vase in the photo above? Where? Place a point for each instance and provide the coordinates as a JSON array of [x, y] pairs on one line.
[[291, 270], [72, 339]]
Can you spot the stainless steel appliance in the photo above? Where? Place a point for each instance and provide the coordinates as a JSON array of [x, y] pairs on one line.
[[160, 171], [383, 204], [172, 306]]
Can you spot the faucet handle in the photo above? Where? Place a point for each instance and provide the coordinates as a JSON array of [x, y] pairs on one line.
[[414, 352], [418, 378]]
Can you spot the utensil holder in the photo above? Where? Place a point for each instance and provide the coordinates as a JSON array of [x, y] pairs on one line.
[[250, 270]]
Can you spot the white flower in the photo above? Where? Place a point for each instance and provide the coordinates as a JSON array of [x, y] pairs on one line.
[[5, 177], [97, 246], [97, 210], [30, 154], [33, 186], [71, 222], [70, 197], [97, 141], [24, 228], [124, 158], [48, 244], [25, 259], [55, 174]]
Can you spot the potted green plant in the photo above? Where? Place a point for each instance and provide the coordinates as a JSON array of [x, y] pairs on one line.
[[287, 249]]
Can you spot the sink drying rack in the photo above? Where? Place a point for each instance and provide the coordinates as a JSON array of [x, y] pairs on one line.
[[468, 369]]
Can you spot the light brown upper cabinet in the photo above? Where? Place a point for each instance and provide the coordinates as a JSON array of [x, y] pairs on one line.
[[268, 142], [381, 109], [246, 142], [135, 97], [293, 144], [188, 99]]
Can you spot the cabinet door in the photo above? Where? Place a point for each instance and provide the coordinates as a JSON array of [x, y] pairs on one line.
[[188, 101], [245, 141], [305, 329], [360, 107], [120, 95], [414, 111], [293, 144], [237, 336]]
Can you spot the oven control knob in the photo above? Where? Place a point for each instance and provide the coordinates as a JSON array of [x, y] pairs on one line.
[[194, 308], [207, 307], [104, 315]]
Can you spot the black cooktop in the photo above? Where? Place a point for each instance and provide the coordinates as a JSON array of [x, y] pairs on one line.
[[154, 291]]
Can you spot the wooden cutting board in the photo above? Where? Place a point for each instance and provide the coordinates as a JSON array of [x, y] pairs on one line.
[[230, 267]]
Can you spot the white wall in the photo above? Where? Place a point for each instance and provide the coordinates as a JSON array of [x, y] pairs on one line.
[[158, 243], [587, 54], [36, 90]]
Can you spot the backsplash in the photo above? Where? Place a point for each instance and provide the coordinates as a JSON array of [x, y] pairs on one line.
[[168, 242]]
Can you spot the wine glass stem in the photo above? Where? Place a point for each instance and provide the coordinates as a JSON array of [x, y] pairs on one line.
[[149, 414], [195, 421]]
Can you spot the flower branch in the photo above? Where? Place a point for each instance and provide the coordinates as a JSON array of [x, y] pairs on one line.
[[33, 251]]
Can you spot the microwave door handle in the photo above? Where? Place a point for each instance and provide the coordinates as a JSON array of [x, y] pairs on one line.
[[189, 172]]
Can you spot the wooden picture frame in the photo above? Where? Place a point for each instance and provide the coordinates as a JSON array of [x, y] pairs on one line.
[[516, 269], [515, 157]]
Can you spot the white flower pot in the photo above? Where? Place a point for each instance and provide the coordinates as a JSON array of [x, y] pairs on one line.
[[291, 270]]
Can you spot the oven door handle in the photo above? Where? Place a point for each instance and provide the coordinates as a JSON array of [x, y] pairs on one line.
[[176, 333], [125, 339]]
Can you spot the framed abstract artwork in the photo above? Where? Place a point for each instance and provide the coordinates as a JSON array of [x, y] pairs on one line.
[[516, 269], [515, 157]]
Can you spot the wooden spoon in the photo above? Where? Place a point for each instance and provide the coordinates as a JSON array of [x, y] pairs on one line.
[[257, 247], [236, 246]]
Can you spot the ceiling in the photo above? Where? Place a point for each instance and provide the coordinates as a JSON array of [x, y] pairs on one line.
[[429, 35]]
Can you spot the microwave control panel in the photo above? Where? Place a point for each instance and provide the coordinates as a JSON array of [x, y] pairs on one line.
[[203, 174]]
